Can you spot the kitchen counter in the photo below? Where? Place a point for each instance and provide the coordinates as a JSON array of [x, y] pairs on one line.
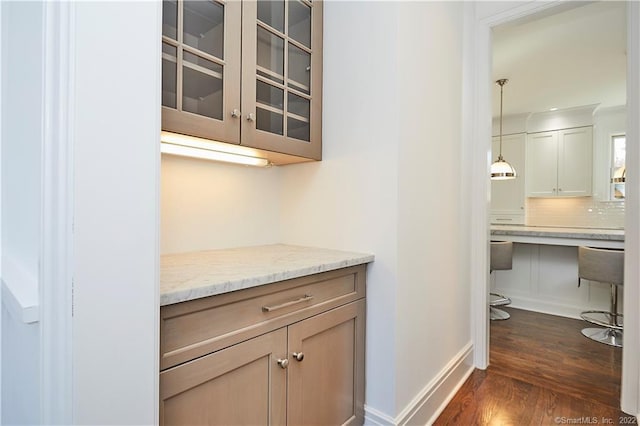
[[604, 238], [188, 276]]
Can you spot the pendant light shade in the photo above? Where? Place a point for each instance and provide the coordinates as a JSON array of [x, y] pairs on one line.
[[500, 169], [620, 175]]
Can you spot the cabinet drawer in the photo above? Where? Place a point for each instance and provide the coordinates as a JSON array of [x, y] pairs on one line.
[[508, 219], [198, 327]]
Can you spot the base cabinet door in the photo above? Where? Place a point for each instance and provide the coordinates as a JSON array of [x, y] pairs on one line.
[[326, 369], [239, 385]]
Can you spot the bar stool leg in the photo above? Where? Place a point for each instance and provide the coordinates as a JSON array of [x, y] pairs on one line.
[[496, 314], [609, 336]]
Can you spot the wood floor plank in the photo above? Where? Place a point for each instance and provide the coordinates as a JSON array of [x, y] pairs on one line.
[[542, 372]]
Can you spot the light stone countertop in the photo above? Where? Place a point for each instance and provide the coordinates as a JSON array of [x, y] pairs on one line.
[[560, 236], [553, 232], [188, 276]]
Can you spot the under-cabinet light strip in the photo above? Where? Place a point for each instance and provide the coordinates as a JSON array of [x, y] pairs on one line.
[[186, 146]]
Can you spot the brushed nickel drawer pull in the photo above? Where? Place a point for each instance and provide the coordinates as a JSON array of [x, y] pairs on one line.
[[304, 298]]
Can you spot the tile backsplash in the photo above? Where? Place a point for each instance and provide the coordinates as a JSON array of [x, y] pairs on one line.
[[580, 212]]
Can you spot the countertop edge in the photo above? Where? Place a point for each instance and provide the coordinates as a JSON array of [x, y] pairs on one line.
[[602, 234], [560, 234], [255, 281]]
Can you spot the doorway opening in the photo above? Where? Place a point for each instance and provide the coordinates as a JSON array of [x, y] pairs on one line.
[[516, 17]]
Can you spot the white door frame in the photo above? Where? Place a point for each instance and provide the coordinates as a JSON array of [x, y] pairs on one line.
[[56, 244], [478, 127]]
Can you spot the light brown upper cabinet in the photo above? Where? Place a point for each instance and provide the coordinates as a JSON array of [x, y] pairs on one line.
[[245, 72]]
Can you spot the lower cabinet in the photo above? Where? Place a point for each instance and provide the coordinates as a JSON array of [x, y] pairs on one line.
[[237, 385], [325, 387], [309, 370]]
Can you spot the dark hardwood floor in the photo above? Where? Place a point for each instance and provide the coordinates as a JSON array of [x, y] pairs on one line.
[[542, 372]]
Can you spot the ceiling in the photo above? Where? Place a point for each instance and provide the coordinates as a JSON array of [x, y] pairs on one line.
[[566, 58]]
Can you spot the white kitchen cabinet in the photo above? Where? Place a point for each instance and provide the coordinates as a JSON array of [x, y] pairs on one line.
[[507, 196], [559, 163], [245, 72]]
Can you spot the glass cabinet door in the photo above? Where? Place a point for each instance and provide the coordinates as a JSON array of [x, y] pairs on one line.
[[201, 68], [282, 80]]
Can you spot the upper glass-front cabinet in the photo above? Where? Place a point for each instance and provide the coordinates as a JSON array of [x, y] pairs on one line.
[[274, 102], [201, 68]]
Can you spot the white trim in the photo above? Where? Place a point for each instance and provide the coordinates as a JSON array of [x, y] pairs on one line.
[[19, 291], [157, 189], [373, 417], [56, 387], [429, 403], [478, 131], [567, 118], [545, 307], [2, 55], [630, 392]]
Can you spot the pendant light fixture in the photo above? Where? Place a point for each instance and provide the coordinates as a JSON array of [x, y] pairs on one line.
[[620, 175], [500, 169]]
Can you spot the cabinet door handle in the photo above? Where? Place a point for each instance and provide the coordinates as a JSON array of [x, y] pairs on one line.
[[251, 117], [236, 113], [304, 298], [559, 189], [283, 363], [299, 356]]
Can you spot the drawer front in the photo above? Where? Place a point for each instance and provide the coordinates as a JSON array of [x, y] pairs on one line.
[[508, 219], [195, 328]]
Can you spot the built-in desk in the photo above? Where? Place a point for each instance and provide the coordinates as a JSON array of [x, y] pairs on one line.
[[544, 277], [604, 238]]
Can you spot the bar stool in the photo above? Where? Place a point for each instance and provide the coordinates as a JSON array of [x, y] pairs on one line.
[[501, 259], [605, 266]]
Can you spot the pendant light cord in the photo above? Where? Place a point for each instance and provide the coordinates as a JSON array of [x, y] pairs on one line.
[[500, 169], [501, 82]]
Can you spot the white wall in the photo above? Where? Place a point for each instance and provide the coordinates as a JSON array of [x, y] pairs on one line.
[[392, 110], [350, 200], [432, 269], [1, 91], [22, 24], [208, 205], [630, 389], [117, 158]]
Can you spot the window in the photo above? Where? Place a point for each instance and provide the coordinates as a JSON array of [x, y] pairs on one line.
[[618, 170]]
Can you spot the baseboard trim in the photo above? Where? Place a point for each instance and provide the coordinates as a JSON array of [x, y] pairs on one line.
[[434, 397], [558, 309], [429, 403], [373, 417]]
